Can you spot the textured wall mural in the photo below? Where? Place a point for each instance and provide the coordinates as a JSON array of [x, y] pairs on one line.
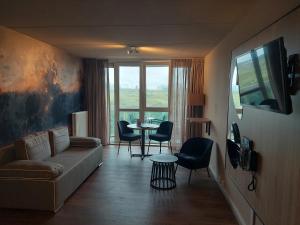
[[39, 86]]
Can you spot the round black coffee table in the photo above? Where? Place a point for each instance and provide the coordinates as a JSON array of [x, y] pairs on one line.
[[163, 171]]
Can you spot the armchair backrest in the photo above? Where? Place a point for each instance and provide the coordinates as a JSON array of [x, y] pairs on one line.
[[122, 128], [165, 128], [198, 147], [233, 152]]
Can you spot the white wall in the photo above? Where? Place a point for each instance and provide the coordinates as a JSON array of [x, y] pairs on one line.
[[276, 200]]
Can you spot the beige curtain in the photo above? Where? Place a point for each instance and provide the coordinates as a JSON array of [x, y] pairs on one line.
[[195, 90], [96, 97], [186, 80]]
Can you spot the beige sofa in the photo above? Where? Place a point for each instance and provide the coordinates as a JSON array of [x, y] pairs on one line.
[[42, 170]]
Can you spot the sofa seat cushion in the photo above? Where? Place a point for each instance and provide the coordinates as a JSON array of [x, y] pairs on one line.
[[87, 142], [33, 147], [71, 157], [31, 169], [59, 140]]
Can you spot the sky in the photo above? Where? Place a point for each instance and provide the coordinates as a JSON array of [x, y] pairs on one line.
[[156, 77]]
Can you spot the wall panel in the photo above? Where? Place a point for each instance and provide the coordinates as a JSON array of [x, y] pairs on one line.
[[276, 201]]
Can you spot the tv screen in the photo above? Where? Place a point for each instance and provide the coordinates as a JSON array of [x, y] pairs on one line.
[[263, 78]]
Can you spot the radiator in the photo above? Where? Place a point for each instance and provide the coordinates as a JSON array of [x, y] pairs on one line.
[[80, 124]]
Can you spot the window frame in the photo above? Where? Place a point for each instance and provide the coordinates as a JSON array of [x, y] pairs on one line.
[[142, 90]]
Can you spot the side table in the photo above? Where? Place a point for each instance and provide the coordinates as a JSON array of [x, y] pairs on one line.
[[163, 172]]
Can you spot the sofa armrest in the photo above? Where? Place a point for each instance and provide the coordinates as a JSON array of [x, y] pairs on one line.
[[31, 169], [87, 142]]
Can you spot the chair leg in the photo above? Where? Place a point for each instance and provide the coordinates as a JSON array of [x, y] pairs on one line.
[[207, 172], [148, 147], [190, 176], [160, 147], [130, 148], [119, 147]]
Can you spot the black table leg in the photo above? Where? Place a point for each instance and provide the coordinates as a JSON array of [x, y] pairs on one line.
[[163, 176], [142, 155]]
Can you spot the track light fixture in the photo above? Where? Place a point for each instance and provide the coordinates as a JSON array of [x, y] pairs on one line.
[[132, 50]]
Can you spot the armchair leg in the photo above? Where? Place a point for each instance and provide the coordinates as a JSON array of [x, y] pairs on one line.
[[170, 146], [207, 172], [190, 176], [160, 147], [176, 168], [119, 147], [148, 147]]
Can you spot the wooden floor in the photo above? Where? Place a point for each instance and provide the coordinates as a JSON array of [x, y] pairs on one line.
[[118, 193]]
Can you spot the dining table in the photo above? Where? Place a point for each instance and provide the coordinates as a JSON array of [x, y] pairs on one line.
[[142, 127]]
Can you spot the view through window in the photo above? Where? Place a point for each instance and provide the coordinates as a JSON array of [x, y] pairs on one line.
[[138, 91]]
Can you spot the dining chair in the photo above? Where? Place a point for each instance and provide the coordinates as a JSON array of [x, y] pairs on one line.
[[195, 154], [163, 133], [126, 134]]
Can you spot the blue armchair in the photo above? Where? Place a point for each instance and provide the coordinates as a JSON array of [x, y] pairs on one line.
[[195, 154]]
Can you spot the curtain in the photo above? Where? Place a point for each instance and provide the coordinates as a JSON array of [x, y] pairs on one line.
[[96, 97], [186, 81], [195, 90]]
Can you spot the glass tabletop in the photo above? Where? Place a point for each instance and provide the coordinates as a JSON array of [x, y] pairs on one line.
[[164, 158], [145, 126]]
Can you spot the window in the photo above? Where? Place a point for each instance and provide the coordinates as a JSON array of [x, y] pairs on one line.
[[129, 87], [157, 83], [138, 91], [111, 83]]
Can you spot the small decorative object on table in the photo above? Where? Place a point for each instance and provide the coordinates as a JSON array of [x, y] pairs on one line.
[[163, 172]]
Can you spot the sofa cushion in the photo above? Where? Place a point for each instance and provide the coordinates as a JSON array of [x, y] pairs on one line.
[[33, 147], [59, 140], [78, 164], [72, 157], [31, 169], [87, 142]]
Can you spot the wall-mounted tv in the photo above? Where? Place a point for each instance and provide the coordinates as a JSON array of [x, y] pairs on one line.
[[263, 77]]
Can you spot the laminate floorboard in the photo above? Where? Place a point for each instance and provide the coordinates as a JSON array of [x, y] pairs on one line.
[[119, 193]]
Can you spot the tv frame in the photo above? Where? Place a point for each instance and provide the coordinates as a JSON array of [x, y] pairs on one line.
[[287, 107]]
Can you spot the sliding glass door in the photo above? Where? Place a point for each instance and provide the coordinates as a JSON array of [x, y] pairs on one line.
[[140, 91]]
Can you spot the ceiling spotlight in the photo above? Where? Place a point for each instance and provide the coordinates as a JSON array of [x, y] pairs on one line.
[[132, 50]]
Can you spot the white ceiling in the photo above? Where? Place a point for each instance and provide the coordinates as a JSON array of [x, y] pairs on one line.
[[103, 28]]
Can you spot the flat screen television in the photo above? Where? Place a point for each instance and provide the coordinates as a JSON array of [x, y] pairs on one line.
[[263, 77]]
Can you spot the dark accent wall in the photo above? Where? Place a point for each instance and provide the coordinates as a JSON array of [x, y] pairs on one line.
[[40, 86]]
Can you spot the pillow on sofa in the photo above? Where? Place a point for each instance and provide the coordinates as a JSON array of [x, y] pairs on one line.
[[33, 147], [31, 169], [88, 142], [59, 140]]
